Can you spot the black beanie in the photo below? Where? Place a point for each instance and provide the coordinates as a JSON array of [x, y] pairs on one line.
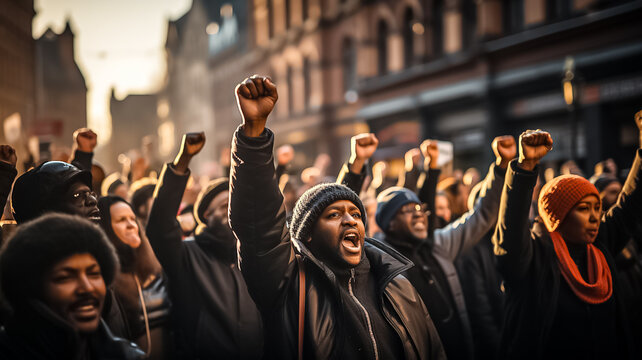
[[41, 189], [38, 245], [141, 195], [206, 196], [390, 201], [312, 203]]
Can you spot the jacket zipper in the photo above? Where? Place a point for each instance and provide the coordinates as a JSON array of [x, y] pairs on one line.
[[370, 331]]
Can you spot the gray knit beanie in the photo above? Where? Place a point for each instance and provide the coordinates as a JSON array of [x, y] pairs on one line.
[[390, 201], [312, 203]]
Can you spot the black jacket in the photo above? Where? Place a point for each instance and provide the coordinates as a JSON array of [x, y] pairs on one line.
[[41, 334], [270, 266], [527, 261], [213, 312]]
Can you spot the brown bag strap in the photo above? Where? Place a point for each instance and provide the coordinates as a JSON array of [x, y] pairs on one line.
[[301, 306]]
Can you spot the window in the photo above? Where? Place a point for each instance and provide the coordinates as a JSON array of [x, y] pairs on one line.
[[438, 27], [513, 14], [304, 10], [349, 63], [290, 80], [382, 47], [270, 8], [307, 82], [287, 14]]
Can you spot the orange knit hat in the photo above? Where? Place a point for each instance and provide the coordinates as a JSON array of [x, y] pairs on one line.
[[559, 195]]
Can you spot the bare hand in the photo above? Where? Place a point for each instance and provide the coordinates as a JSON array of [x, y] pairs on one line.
[[256, 97], [638, 119], [430, 151], [284, 154], [8, 155], [411, 159], [533, 145], [362, 147], [85, 139], [505, 150], [191, 145]]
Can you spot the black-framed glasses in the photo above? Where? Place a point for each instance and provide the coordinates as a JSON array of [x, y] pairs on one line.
[[412, 208]]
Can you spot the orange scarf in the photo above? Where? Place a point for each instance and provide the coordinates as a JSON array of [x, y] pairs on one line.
[[600, 285]]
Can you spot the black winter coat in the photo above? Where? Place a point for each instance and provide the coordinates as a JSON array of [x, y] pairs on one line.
[[269, 261], [215, 317], [40, 334], [528, 263]]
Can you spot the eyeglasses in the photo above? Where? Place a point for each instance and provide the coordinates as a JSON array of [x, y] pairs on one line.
[[412, 208]]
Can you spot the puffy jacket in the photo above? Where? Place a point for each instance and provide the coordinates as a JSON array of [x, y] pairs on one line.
[[40, 334], [270, 261], [214, 316], [527, 261]]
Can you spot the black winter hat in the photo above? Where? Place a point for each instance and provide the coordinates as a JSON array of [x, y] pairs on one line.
[[206, 196], [41, 189], [38, 245], [390, 201], [312, 203], [603, 181]]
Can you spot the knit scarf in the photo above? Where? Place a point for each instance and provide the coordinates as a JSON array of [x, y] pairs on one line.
[[600, 286]]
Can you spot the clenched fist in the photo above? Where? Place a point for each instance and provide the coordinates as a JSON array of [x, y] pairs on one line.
[[533, 145], [85, 140], [256, 97], [362, 147], [191, 145], [430, 151], [505, 150], [8, 155]]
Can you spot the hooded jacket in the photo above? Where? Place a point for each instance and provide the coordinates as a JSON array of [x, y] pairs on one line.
[[270, 261], [40, 334], [214, 316], [529, 265]]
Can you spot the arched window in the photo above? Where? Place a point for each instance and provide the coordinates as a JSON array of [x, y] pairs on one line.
[[382, 47], [408, 38], [349, 64], [307, 82], [437, 27]]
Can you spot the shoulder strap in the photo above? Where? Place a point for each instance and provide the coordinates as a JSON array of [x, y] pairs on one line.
[[301, 306]]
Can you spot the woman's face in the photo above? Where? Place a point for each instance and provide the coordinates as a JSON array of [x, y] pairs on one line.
[[123, 221], [581, 224]]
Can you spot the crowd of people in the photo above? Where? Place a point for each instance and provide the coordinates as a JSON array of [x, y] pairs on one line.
[[258, 265]]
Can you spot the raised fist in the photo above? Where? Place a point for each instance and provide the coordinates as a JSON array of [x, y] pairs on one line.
[[430, 151], [284, 154], [505, 150], [533, 145], [8, 155], [256, 97], [192, 143], [364, 145], [85, 140]]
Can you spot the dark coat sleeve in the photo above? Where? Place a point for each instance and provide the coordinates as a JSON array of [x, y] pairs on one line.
[[512, 240], [350, 179], [163, 230], [257, 218], [82, 160], [427, 191], [622, 219]]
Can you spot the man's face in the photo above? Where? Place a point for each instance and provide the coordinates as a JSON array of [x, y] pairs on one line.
[[80, 200], [216, 212], [411, 220], [610, 193], [581, 224], [75, 290], [338, 235]]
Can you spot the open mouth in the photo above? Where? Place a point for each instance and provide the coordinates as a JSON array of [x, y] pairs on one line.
[[86, 309], [351, 242], [94, 215]]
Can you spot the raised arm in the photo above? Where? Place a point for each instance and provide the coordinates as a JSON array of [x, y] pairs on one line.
[[470, 228], [257, 213], [353, 173], [512, 241], [163, 230], [85, 141], [427, 182], [623, 218]]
